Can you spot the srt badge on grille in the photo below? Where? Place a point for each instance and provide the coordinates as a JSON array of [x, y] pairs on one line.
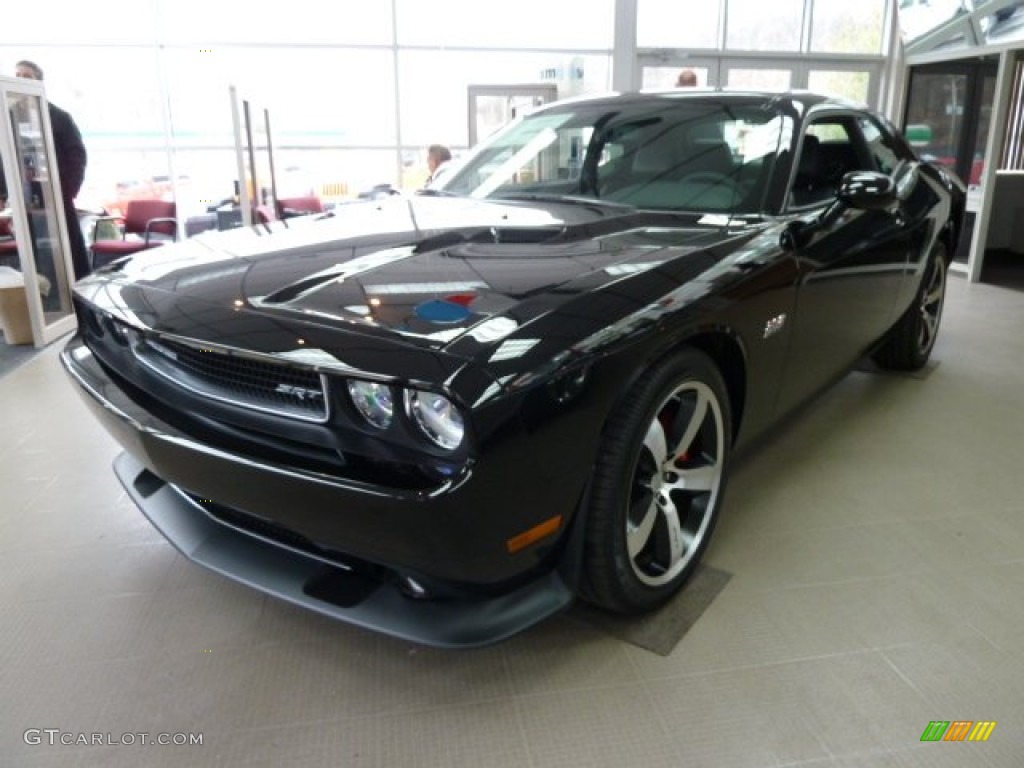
[[299, 393]]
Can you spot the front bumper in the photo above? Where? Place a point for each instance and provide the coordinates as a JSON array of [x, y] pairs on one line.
[[329, 589], [168, 475]]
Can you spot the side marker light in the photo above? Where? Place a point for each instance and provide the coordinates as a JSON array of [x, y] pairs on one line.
[[533, 535]]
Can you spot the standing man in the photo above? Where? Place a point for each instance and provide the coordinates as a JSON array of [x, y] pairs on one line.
[[438, 159], [71, 159]]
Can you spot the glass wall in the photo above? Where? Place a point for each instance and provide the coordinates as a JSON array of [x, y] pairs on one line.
[[839, 26], [835, 47], [747, 29], [666, 24], [357, 90], [791, 26], [954, 24], [560, 25]]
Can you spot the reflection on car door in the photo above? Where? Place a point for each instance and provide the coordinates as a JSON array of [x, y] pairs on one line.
[[851, 270]]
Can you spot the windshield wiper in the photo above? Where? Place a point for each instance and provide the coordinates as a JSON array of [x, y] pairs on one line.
[[436, 193], [548, 197]]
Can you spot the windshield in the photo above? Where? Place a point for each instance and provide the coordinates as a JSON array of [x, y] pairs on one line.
[[675, 154]]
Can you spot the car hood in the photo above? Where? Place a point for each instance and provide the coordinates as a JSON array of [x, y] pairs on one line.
[[426, 270]]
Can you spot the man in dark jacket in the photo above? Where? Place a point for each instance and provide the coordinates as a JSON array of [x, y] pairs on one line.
[[71, 159]]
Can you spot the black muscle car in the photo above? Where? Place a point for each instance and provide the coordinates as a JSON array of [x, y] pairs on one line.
[[445, 415]]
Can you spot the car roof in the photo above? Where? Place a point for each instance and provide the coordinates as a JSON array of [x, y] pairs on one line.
[[794, 100]]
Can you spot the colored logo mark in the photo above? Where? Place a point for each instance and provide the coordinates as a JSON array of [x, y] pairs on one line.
[[958, 730], [451, 309]]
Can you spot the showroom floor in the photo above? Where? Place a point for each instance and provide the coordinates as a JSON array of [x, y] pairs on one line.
[[876, 548]]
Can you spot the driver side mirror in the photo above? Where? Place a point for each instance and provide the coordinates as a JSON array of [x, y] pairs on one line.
[[863, 190], [867, 190]]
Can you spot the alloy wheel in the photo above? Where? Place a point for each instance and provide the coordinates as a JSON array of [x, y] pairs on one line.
[[676, 481], [931, 305]]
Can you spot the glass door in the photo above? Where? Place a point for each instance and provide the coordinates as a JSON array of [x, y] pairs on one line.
[[492, 106], [949, 107], [35, 214], [947, 118]]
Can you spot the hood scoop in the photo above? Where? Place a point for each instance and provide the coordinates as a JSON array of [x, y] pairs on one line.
[[506, 235], [336, 273], [525, 235], [301, 288]]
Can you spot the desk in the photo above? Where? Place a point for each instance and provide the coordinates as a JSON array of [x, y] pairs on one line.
[[14, 319], [216, 220], [8, 245], [202, 223]]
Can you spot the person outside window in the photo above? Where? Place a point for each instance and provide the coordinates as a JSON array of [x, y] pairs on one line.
[[687, 79]]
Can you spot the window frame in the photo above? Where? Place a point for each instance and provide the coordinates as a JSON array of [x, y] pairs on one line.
[[850, 118]]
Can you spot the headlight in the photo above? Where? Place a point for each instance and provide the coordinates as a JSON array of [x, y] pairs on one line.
[[436, 417], [373, 401]]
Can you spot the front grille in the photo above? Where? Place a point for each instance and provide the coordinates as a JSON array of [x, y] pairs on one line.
[[263, 386]]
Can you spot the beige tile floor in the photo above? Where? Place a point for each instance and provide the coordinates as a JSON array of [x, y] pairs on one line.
[[877, 553]]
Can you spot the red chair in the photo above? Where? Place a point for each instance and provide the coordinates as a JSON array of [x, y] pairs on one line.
[[288, 207], [263, 214], [8, 245], [151, 223]]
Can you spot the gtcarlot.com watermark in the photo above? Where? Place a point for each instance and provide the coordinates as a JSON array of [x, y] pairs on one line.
[[55, 736]]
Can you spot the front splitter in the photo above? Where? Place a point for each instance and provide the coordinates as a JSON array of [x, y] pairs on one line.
[[330, 589]]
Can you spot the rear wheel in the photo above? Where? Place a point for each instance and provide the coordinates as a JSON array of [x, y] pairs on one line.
[[909, 343], [657, 485]]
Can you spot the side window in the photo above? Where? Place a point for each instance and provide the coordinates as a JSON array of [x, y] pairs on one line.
[[880, 145], [831, 148], [611, 153], [834, 133]]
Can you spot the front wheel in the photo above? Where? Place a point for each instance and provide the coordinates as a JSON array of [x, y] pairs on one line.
[[909, 343], [658, 485]]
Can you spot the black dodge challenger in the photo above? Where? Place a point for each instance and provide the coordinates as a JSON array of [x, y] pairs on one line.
[[444, 416]]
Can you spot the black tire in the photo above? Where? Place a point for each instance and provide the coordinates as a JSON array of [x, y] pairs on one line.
[[908, 345], [658, 485]]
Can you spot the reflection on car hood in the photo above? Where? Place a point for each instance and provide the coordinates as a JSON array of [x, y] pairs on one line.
[[427, 269]]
